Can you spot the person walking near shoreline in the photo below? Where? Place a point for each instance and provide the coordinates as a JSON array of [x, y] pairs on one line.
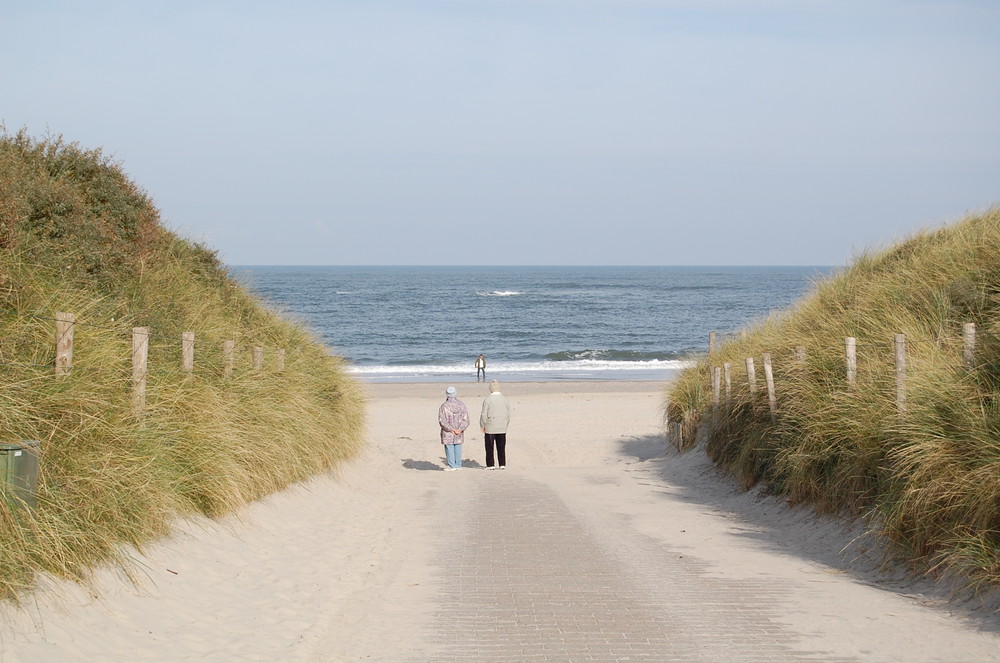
[[480, 367], [453, 417], [494, 419]]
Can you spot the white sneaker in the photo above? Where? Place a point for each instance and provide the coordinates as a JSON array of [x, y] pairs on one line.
[[490, 467], [503, 467]]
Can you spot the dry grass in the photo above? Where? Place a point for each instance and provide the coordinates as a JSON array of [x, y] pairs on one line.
[[930, 481], [77, 236]]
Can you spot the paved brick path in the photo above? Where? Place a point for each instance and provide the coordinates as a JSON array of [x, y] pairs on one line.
[[523, 579]]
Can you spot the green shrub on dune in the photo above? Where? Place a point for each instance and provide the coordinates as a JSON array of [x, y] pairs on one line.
[[77, 236], [928, 478]]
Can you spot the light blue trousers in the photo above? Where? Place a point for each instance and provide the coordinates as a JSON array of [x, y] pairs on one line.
[[453, 452]]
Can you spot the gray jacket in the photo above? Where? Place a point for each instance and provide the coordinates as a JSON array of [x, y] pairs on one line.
[[496, 413]]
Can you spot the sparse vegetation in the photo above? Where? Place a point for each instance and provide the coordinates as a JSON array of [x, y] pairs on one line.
[[77, 235], [929, 481]]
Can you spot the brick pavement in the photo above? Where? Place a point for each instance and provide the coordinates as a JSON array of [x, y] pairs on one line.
[[523, 579]]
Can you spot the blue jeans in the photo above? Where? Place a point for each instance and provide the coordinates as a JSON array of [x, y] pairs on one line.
[[453, 452]]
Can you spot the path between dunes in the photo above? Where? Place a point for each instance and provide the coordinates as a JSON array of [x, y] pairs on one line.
[[596, 544]]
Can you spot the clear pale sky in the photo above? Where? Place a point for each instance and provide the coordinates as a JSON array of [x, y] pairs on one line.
[[456, 132]]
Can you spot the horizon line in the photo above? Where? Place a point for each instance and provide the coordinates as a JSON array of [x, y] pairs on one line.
[[495, 266]]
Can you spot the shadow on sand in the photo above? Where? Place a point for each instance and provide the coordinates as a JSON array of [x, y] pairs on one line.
[[842, 543], [413, 464]]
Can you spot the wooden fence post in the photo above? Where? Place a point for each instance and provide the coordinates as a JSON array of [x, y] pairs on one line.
[[682, 426], [969, 338], [851, 351], [711, 342], [716, 388], [65, 322], [772, 401], [140, 359], [666, 420], [900, 346], [280, 360], [227, 358], [258, 357], [727, 375], [673, 429], [676, 431], [187, 351], [751, 376]]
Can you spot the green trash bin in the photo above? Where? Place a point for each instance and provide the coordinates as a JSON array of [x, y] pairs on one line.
[[19, 472]]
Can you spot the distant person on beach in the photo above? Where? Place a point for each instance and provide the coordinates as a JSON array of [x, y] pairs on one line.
[[453, 418], [480, 367], [494, 420]]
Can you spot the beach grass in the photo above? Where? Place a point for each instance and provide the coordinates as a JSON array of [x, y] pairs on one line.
[[76, 235], [925, 475]]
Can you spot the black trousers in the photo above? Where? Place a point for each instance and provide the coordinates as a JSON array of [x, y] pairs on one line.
[[500, 440]]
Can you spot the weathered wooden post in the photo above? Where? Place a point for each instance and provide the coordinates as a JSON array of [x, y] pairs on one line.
[[716, 388], [751, 376], [280, 360], [227, 358], [258, 357], [65, 322], [727, 375], [672, 427], [680, 427], [772, 401], [900, 346], [187, 351], [711, 342], [666, 420], [140, 359], [800, 355], [969, 341], [851, 352]]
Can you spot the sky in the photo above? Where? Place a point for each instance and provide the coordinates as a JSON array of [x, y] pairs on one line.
[[525, 132]]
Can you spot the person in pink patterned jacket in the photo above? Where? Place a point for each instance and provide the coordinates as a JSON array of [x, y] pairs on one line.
[[453, 417]]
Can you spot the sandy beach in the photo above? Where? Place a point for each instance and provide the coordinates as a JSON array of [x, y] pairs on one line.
[[596, 543]]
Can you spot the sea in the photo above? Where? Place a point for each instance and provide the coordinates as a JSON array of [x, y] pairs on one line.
[[429, 324]]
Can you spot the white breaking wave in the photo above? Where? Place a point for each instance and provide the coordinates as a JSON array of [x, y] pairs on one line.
[[582, 366], [500, 293]]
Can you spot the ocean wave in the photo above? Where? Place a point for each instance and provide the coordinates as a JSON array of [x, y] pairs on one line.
[[520, 368], [500, 293], [612, 356]]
